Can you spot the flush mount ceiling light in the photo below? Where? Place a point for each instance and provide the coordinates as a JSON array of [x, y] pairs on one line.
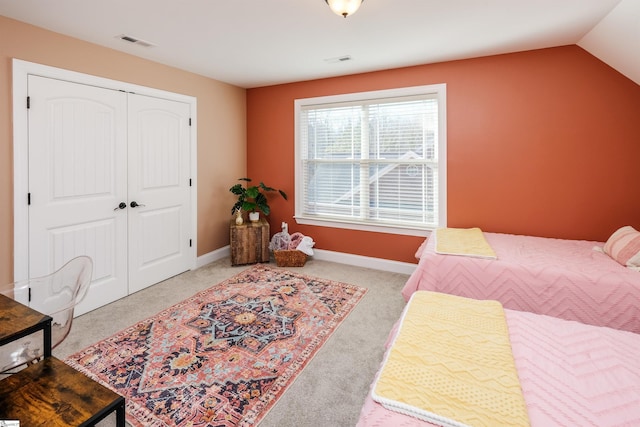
[[344, 7]]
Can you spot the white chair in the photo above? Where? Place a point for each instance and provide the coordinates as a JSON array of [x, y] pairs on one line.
[[55, 295]]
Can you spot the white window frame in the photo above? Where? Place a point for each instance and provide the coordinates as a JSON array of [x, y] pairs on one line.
[[437, 90]]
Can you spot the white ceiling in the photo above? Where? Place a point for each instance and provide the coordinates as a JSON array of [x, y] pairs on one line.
[[252, 43]]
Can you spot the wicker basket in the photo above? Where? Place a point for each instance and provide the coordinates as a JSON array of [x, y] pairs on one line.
[[290, 258]]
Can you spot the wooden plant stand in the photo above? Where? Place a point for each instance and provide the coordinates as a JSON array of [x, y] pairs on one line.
[[249, 242]]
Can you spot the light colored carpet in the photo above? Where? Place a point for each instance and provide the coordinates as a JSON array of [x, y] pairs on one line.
[[333, 386]]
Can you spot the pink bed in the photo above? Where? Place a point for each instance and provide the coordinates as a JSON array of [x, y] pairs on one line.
[[571, 374], [560, 278]]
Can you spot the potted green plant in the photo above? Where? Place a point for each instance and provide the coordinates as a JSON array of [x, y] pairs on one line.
[[252, 199]]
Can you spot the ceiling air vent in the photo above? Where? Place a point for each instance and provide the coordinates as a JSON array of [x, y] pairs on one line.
[[135, 40], [338, 59]]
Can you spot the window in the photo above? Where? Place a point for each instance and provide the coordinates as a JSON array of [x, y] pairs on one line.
[[373, 161]]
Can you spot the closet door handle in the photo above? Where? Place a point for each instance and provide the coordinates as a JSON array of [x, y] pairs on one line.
[[135, 204], [122, 205]]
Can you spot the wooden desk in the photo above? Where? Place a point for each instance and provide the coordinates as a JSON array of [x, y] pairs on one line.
[[54, 394], [249, 242], [18, 321]]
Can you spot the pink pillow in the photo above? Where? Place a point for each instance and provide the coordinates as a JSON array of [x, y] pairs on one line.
[[624, 247]]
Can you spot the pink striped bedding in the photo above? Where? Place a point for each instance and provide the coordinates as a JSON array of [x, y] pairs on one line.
[[571, 375], [560, 278]]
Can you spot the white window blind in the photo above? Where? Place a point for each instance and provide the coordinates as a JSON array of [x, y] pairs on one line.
[[373, 160]]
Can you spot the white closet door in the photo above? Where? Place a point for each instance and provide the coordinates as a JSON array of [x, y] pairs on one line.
[[159, 181], [93, 152], [77, 177]]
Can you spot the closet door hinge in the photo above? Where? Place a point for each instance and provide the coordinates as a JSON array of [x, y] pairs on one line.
[[189, 121], [190, 242], [29, 296], [28, 198], [28, 102], [190, 182]]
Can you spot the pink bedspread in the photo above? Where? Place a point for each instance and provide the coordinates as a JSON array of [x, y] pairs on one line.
[[560, 278], [571, 375]]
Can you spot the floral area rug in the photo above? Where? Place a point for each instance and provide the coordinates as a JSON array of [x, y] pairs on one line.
[[224, 356]]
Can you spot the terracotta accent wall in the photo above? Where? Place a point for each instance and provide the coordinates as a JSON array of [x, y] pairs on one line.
[[221, 122], [544, 143]]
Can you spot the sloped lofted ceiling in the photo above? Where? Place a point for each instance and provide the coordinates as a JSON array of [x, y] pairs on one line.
[[615, 40], [252, 43]]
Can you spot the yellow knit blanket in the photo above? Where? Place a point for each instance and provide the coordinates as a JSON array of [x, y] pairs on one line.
[[463, 241], [451, 364]]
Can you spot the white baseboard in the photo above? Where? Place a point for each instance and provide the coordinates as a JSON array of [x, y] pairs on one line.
[[320, 254], [212, 256], [364, 261]]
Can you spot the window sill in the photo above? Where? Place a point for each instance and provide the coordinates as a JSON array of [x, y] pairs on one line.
[[352, 225]]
